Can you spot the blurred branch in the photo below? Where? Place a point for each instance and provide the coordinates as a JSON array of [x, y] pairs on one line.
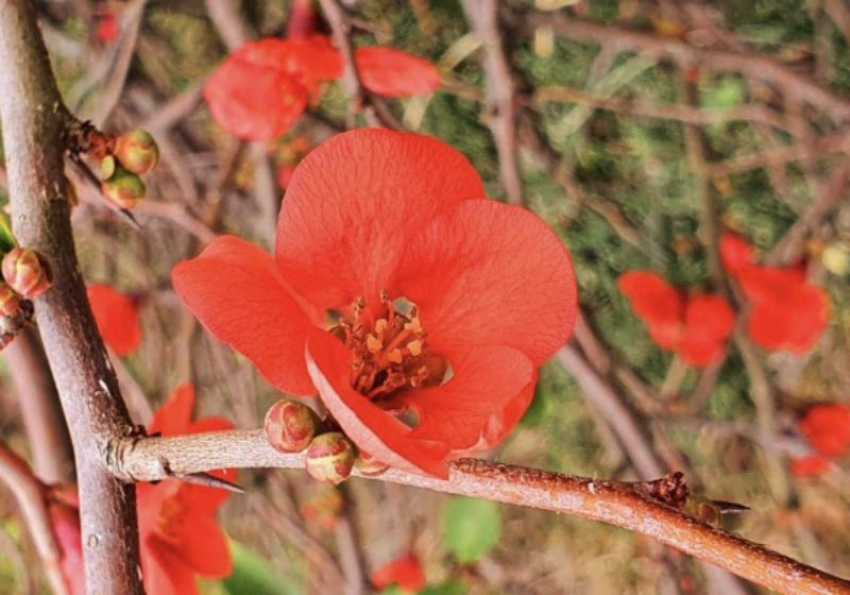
[[29, 493], [53, 455], [794, 86], [631, 505], [34, 122], [482, 16]]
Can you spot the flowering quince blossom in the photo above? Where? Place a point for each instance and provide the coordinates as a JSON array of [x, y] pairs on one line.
[[406, 573], [827, 430], [695, 327], [178, 532], [396, 288], [788, 312], [117, 318], [263, 87]]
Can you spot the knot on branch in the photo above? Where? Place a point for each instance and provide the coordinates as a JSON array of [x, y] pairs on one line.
[[118, 457], [672, 490]]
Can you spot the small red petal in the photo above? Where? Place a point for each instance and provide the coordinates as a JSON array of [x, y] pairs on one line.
[[792, 320], [174, 417], [66, 529], [827, 429], [163, 572], [393, 73], [406, 573], [735, 252], [117, 318], [659, 305], [810, 466], [708, 323]]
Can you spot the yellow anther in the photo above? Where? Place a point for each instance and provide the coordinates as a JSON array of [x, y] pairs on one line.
[[381, 325], [395, 356], [373, 344], [415, 326], [415, 347]]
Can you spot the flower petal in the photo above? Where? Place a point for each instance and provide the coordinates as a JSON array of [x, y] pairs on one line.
[[252, 97], [735, 252], [827, 429], [791, 321], [354, 203], [659, 305], [709, 321], [202, 545], [117, 318], [486, 273], [490, 390], [175, 415], [163, 572], [812, 466], [235, 290], [405, 572], [393, 73], [371, 428]]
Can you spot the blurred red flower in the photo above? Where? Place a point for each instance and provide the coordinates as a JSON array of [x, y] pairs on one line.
[[65, 520], [178, 533], [695, 328], [812, 466], [827, 429], [108, 27], [406, 573], [262, 88], [117, 318], [788, 313], [391, 272]]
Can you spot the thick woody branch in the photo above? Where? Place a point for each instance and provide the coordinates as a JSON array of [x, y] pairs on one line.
[[628, 505], [483, 19], [34, 120]]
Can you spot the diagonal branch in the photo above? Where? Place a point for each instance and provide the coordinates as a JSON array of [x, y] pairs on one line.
[[34, 120], [624, 504]]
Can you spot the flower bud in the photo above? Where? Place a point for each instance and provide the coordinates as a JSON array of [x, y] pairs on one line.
[[10, 301], [290, 425], [27, 272], [330, 458], [136, 151], [369, 465], [124, 189]]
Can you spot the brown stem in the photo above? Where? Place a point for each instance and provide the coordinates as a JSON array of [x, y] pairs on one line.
[[53, 455], [624, 504], [482, 16], [33, 120], [30, 495]]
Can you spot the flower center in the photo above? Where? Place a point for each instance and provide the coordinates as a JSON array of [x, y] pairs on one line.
[[389, 348]]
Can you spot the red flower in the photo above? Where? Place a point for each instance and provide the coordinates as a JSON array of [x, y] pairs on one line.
[[812, 466], [788, 313], [393, 73], [178, 533], [117, 318], [695, 328], [372, 216], [108, 28], [406, 573], [262, 88], [827, 429]]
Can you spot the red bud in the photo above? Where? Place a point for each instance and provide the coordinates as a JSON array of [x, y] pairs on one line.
[[137, 151], [27, 272], [290, 425], [330, 458]]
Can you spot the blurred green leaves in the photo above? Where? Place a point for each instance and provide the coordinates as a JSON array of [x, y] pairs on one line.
[[471, 528]]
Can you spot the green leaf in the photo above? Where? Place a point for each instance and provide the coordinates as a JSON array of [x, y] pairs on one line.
[[7, 238], [253, 575], [450, 588], [471, 528]]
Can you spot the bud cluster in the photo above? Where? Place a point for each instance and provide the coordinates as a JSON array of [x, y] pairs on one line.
[[26, 275], [133, 154], [292, 427]]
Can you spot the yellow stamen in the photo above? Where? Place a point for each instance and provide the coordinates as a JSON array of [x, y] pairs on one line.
[[415, 347], [373, 344]]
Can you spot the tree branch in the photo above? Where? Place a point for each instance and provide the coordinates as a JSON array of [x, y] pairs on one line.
[[34, 119], [623, 504]]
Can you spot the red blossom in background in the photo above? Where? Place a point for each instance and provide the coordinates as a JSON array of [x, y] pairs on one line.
[[178, 533], [788, 313], [406, 573], [65, 520], [827, 430], [117, 318], [695, 328], [262, 88], [372, 216], [108, 27]]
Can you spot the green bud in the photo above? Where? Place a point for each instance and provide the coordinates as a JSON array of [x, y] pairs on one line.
[[137, 151], [290, 425], [107, 167], [330, 458], [27, 272], [124, 189]]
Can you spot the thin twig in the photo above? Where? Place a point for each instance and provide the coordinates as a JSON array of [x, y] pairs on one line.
[[622, 504]]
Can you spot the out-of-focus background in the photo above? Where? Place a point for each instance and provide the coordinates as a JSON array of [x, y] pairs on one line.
[[638, 124]]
